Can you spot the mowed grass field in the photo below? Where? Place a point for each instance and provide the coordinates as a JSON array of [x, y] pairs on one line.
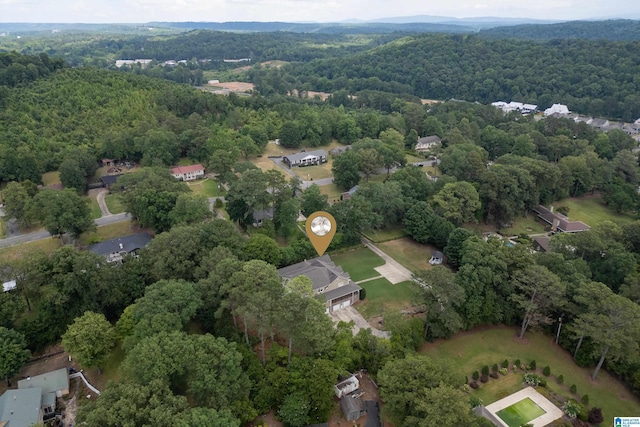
[[359, 263], [114, 204], [385, 234], [592, 211], [110, 231], [207, 187], [469, 351], [413, 255], [382, 297]]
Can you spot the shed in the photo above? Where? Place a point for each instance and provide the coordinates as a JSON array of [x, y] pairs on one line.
[[9, 286], [436, 258], [352, 408], [347, 386]]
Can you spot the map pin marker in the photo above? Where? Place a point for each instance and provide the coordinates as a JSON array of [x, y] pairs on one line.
[[321, 227]]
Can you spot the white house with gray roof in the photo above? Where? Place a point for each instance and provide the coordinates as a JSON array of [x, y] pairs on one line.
[[305, 158], [327, 279]]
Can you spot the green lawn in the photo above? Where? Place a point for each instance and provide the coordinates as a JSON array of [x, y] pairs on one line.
[[332, 191], [114, 204], [95, 208], [386, 234], [520, 413], [382, 296], [522, 225], [359, 263], [469, 351], [207, 187], [411, 254], [11, 253], [51, 178], [110, 231], [3, 228], [308, 173], [592, 211], [497, 389]]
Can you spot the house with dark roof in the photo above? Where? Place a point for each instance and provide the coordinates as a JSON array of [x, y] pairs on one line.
[[188, 173], [308, 158], [20, 408], [427, 143], [541, 243], [558, 221], [50, 385], [328, 280], [109, 180], [115, 250]]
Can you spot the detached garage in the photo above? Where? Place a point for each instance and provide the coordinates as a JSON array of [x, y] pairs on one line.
[[343, 296]]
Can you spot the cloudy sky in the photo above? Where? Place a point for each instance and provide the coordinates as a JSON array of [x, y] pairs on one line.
[[100, 11]]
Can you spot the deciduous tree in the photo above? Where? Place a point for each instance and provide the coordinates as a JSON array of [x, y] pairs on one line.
[[89, 339], [13, 352]]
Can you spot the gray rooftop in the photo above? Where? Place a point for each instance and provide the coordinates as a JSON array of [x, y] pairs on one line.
[[121, 244], [342, 291], [20, 408], [429, 139], [321, 271], [296, 157], [49, 382]]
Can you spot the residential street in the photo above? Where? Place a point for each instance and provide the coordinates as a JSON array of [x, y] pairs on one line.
[[39, 235]]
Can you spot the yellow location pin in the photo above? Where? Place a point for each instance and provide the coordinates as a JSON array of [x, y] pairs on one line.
[[321, 227]]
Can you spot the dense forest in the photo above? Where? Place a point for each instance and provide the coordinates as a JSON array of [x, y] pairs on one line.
[[614, 29], [591, 77]]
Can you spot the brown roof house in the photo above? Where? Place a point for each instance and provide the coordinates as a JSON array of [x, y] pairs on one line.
[[327, 279], [558, 221]]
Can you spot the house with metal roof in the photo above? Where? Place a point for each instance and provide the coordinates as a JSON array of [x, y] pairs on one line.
[[307, 158], [20, 408], [51, 385], [328, 280], [116, 249]]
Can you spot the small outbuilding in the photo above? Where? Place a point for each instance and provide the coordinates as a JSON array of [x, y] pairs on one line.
[[436, 258], [352, 407], [347, 386]]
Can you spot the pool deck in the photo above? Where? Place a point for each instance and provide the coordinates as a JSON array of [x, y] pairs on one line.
[[552, 411]]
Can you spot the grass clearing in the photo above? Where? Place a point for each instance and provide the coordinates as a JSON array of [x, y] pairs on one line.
[[51, 178], [95, 208], [411, 254], [522, 225], [469, 351], [382, 297], [310, 173], [207, 187], [13, 253], [110, 231], [114, 204], [359, 263], [385, 234], [332, 191], [3, 228], [592, 211]]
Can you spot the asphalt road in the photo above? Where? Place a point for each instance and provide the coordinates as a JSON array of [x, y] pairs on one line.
[[39, 235]]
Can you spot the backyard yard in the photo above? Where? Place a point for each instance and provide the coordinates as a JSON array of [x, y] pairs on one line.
[[110, 231], [207, 187], [382, 297], [411, 254], [471, 350], [359, 263], [592, 211], [114, 204], [385, 234]]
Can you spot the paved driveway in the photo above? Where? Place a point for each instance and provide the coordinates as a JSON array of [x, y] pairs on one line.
[[349, 314], [392, 270]]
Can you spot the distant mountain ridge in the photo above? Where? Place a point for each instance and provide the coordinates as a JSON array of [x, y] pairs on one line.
[[613, 29]]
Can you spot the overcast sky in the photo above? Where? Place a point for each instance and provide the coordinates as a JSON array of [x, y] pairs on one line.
[[113, 11]]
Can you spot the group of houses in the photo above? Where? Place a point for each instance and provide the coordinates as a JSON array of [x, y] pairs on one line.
[[520, 107]]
